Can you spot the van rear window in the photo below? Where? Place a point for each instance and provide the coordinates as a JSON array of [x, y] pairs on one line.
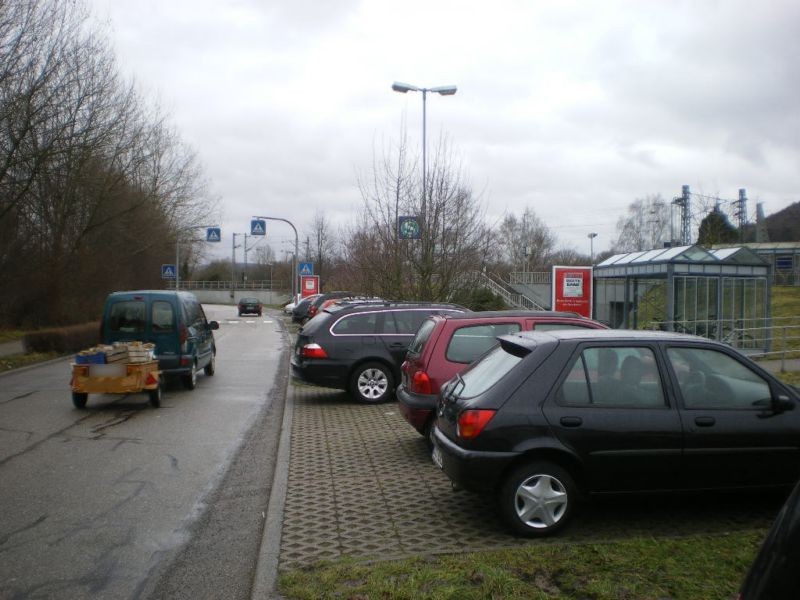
[[162, 316], [127, 316]]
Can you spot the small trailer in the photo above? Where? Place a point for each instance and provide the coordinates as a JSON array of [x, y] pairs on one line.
[[91, 376]]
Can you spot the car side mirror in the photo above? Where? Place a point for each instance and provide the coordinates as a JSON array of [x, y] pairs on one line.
[[214, 325], [782, 403]]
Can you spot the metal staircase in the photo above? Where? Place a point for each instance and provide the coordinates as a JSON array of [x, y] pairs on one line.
[[497, 286]]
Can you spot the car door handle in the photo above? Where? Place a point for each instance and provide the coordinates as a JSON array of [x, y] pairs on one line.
[[705, 421], [571, 421], [397, 345]]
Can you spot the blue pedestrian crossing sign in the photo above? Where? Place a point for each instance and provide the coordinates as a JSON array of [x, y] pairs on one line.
[[167, 271], [258, 227], [213, 234], [305, 268]]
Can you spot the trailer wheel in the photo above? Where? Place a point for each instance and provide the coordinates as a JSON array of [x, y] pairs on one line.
[[156, 395], [79, 399]]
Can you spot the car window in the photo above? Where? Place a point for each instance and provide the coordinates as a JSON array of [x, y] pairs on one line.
[[407, 322], [162, 318], [613, 376], [552, 326], [470, 341], [713, 379], [127, 316], [358, 324], [487, 371], [422, 336]]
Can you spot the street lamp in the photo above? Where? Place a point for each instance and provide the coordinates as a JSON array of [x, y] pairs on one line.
[[295, 286], [591, 237], [444, 90]]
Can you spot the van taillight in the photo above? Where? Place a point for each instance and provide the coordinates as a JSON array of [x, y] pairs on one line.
[[421, 383], [472, 422], [182, 335], [313, 351]]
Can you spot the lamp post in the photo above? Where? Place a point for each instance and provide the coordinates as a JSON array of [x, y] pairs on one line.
[[591, 237], [296, 248], [444, 90]]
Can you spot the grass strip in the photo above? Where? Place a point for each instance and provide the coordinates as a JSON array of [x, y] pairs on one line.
[[696, 567]]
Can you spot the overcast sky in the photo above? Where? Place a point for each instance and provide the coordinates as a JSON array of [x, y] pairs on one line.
[[572, 108]]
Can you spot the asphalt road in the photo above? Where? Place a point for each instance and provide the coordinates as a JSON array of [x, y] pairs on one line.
[[125, 501]]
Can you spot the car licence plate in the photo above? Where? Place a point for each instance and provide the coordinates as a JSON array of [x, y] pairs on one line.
[[436, 456]]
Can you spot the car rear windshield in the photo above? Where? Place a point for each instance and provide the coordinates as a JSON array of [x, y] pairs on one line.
[[127, 316], [487, 371], [422, 336]]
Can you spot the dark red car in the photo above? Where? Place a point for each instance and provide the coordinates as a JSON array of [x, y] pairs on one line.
[[446, 344]]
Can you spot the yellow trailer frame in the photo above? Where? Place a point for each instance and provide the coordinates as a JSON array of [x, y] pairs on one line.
[[137, 377]]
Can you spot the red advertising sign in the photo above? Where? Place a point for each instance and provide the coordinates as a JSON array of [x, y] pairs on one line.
[[309, 285], [572, 290]]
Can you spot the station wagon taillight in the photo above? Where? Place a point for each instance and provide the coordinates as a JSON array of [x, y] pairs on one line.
[[313, 351], [420, 383], [182, 334], [472, 422]]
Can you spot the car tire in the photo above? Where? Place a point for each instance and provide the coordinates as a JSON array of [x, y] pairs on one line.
[[79, 399], [372, 383], [190, 379], [211, 367], [156, 395], [428, 432], [537, 498]]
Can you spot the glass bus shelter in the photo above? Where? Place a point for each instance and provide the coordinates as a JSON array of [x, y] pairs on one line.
[[722, 294]]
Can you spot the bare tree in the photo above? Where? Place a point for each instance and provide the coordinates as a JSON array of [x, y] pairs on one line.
[[527, 243], [452, 236], [87, 171], [646, 226], [323, 245]]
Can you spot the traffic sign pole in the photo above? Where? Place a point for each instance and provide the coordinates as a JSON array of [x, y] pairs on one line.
[[253, 231]]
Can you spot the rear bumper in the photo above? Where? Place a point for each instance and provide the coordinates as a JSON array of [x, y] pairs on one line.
[[175, 365], [325, 373], [417, 409], [471, 469]]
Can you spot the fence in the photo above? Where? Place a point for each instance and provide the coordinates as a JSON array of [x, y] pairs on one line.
[[264, 284], [776, 338]]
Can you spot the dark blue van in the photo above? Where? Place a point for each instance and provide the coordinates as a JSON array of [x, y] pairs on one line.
[[173, 321]]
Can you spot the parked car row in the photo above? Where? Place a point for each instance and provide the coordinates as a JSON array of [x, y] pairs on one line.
[[544, 409]]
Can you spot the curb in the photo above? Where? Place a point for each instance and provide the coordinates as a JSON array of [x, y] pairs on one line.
[[266, 576]]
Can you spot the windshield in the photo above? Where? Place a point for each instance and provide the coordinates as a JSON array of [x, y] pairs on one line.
[[487, 371]]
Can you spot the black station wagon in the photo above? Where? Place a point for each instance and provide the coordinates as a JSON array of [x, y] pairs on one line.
[[545, 417], [359, 348]]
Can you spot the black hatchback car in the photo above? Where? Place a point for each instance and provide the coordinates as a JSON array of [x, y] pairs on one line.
[[359, 348], [546, 417]]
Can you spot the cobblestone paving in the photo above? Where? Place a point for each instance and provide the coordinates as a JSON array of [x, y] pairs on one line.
[[361, 484]]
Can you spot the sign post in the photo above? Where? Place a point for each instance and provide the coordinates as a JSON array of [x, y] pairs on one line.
[[572, 290]]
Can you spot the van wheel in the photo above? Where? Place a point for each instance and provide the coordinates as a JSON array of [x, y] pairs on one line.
[[211, 367], [190, 379], [372, 383], [537, 498], [79, 399], [156, 395]]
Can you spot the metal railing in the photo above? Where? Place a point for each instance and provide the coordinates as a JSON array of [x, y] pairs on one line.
[[264, 284], [530, 277], [775, 338], [511, 298]]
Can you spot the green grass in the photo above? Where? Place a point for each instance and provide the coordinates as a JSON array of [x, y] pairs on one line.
[[785, 301], [697, 567], [11, 335], [15, 361]]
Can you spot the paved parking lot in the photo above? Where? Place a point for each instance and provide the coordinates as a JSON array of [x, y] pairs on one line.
[[361, 484]]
